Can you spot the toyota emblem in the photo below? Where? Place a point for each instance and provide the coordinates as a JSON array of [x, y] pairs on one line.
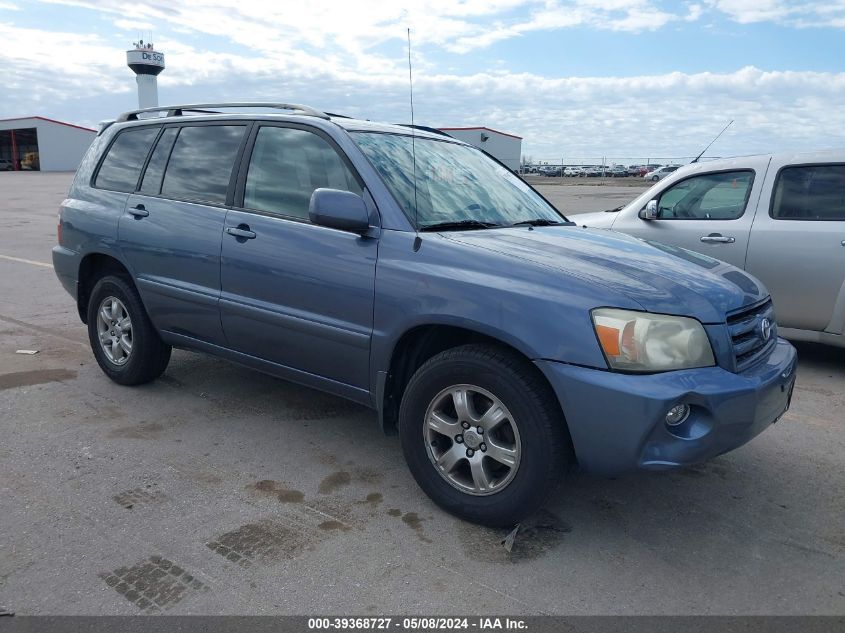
[[766, 329]]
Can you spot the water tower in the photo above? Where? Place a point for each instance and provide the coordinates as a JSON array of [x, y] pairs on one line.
[[147, 64]]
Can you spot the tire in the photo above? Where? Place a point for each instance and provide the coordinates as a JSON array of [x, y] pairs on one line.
[[655, 178], [147, 357], [533, 429]]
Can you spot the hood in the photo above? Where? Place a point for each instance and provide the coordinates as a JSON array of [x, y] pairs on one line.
[[660, 278], [598, 219]]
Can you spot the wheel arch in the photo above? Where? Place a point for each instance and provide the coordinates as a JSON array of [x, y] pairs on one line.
[[420, 343], [92, 268]]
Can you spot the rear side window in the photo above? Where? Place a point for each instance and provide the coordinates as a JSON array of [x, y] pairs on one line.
[[201, 162], [285, 168], [121, 167], [810, 192], [719, 196], [151, 184]]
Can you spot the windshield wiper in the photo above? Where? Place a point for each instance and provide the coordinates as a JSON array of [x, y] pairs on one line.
[[619, 208], [458, 225], [539, 222]]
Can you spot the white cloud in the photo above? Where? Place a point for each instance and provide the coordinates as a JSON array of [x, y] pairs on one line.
[[813, 13], [134, 25], [37, 61], [332, 57], [694, 12], [8, 6]]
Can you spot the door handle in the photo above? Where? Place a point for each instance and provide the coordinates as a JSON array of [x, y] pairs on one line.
[[715, 238], [139, 211], [242, 232]]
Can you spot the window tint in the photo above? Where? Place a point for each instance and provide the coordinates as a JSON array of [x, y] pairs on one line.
[[285, 168], [201, 162], [812, 192], [721, 196], [151, 183], [126, 156]]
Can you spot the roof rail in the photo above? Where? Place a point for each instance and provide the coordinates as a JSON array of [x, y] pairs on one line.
[[103, 125], [425, 128], [179, 110]]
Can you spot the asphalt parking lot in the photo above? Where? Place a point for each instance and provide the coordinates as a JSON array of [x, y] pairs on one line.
[[224, 491]]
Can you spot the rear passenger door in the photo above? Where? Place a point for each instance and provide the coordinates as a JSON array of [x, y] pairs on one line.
[[294, 293], [172, 227], [797, 245]]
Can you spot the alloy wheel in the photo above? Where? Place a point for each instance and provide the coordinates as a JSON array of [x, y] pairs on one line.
[[114, 330], [472, 439]]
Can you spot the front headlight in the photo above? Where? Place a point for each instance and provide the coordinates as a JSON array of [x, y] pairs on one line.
[[644, 342]]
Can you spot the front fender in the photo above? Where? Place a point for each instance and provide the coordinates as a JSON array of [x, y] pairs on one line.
[[542, 314]]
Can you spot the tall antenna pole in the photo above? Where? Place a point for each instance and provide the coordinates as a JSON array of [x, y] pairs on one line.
[[695, 160], [413, 137]]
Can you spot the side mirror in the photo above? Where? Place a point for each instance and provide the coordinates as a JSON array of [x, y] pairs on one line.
[[650, 211], [342, 210]]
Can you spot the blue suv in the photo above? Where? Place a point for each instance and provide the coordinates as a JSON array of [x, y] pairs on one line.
[[412, 273]]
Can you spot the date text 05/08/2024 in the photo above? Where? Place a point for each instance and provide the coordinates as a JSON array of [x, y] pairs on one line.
[[481, 624]]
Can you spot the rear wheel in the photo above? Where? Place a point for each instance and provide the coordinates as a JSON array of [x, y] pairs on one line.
[[483, 434], [124, 341]]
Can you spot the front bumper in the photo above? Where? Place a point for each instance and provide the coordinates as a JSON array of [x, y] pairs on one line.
[[617, 421]]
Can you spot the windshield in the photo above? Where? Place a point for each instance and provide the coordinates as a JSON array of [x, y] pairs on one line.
[[454, 183]]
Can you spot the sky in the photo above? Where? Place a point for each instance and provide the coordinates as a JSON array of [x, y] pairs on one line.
[[577, 79]]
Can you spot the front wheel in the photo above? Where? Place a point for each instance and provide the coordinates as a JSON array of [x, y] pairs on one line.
[[124, 341], [483, 434]]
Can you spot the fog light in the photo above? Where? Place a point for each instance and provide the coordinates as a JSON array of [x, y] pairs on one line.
[[677, 414]]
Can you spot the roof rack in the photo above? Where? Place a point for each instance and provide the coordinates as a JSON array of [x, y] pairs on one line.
[[180, 110]]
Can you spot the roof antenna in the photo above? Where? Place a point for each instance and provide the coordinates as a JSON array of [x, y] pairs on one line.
[[695, 160], [417, 240]]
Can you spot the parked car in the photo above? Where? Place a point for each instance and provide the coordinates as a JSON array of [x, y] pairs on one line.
[[660, 173], [593, 171], [781, 217], [6, 164], [618, 171], [573, 172], [635, 170], [503, 342]]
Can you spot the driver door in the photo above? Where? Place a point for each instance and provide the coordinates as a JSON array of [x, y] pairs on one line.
[[707, 212], [294, 293]]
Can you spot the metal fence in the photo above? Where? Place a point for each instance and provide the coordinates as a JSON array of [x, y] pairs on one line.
[[530, 163]]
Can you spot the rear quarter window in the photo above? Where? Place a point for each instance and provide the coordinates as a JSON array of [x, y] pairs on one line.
[[124, 159], [151, 184], [810, 192]]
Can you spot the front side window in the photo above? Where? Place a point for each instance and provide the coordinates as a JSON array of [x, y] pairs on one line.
[[719, 196], [122, 165], [451, 183], [285, 168], [201, 162], [810, 192]]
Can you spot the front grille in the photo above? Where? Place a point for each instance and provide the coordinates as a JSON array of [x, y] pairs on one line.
[[746, 328]]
